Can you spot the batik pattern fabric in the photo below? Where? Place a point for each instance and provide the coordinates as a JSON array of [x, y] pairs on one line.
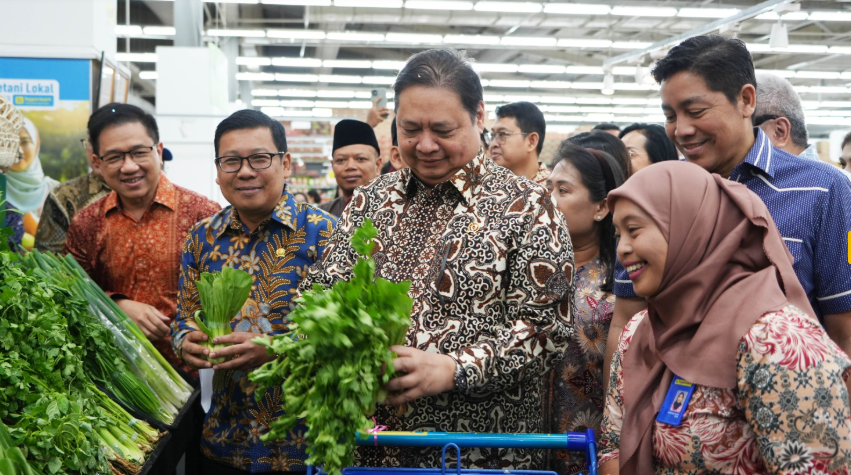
[[491, 265], [575, 394], [277, 254], [542, 174], [60, 207], [788, 414], [139, 259]]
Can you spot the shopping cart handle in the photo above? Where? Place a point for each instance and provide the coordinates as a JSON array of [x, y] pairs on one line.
[[573, 441]]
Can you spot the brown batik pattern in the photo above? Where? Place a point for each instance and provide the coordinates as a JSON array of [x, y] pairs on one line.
[[491, 265]]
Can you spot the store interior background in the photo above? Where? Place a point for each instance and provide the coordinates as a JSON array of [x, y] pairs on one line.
[[311, 63]]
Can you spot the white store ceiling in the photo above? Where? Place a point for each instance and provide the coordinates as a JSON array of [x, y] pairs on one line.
[[307, 58]]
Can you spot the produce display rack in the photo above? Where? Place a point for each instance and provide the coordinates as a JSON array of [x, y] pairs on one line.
[[183, 437]]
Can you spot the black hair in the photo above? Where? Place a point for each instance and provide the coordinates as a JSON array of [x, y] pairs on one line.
[[315, 195], [251, 119], [528, 117], [599, 181], [394, 134], [659, 147], [605, 142], [116, 113], [446, 68], [724, 64], [606, 126], [845, 141]]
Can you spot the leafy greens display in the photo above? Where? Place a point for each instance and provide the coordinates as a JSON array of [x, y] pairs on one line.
[[332, 362]]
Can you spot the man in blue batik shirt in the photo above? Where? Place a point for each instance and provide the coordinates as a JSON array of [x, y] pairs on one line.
[[274, 238], [708, 98]]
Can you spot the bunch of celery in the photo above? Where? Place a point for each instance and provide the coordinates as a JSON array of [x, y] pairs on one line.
[[222, 296], [336, 359], [151, 385]]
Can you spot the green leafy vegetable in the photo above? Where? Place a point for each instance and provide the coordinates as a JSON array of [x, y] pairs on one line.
[[54, 413], [332, 361], [116, 353], [222, 296]]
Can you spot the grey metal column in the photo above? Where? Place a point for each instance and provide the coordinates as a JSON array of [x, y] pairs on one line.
[[189, 22]]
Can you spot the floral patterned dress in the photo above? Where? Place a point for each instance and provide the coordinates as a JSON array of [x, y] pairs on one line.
[[574, 397], [789, 413]]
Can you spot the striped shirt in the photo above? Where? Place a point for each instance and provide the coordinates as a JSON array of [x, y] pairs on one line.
[[811, 204]]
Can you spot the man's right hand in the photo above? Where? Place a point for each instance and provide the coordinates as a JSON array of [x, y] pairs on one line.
[[150, 320], [193, 353]]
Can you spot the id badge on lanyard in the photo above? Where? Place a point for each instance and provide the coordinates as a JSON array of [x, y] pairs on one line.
[[676, 402]]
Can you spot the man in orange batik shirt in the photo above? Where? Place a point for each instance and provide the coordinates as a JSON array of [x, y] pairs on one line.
[[130, 241]]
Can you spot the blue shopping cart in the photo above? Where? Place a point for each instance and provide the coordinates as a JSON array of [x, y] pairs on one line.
[[571, 441]]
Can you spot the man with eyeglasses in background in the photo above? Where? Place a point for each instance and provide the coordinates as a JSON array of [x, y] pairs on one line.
[[518, 139], [129, 242], [65, 201], [275, 238]]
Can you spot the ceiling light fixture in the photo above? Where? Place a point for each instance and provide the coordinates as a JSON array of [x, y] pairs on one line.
[[297, 62], [354, 36], [306, 3], [577, 9], [438, 5], [149, 75], [368, 3], [160, 30], [241, 33], [644, 11], [508, 7], [707, 12], [296, 34], [471, 39]]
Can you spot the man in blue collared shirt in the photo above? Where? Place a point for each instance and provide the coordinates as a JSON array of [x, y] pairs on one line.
[[268, 234], [708, 97]]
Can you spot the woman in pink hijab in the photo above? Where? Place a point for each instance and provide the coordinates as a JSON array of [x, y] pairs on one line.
[[727, 371]]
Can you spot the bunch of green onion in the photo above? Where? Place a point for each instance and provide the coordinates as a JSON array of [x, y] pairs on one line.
[[129, 366], [12, 459]]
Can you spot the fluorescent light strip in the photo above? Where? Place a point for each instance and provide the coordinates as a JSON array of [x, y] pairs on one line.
[[159, 30], [577, 9], [495, 67], [296, 34], [471, 39], [253, 61], [528, 41], [644, 11], [307, 3], [508, 7], [707, 12], [238, 33], [829, 16], [343, 63], [438, 5], [149, 75], [297, 62], [414, 38], [584, 43], [368, 3], [128, 30]]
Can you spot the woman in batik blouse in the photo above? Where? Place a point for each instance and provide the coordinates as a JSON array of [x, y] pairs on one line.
[[580, 180], [727, 371]]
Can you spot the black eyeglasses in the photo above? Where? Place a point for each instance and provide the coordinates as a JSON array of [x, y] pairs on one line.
[[140, 155], [257, 161], [759, 120]]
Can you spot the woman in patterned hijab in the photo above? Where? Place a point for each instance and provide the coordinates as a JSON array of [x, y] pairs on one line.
[[729, 333]]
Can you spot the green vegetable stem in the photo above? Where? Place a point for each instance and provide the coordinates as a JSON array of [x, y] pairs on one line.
[[333, 360], [222, 296]]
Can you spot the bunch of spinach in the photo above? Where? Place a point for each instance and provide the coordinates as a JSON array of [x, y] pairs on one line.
[[332, 363]]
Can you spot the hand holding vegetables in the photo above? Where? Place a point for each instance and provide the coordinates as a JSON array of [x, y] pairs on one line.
[[246, 354], [424, 374], [194, 350], [333, 361], [150, 320], [222, 296]]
